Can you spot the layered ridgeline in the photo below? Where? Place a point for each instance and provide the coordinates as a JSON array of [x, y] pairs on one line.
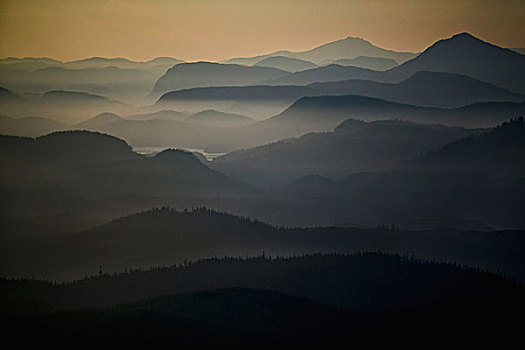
[[35, 63], [353, 146], [481, 177], [111, 166], [426, 89], [325, 113], [348, 48], [317, 299], [67, 180], [430, 89], [126, 181], [285, 63], [202, 130], [460, 54], [168, 128], [65, 106], [116, 78], [203, 74], [257, 102], [162, 237], [307, 114]]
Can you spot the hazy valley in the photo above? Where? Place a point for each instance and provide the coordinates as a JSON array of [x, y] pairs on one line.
[[347, 190]]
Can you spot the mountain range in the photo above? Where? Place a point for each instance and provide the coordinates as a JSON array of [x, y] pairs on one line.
[[347, 48], [354, 146], [460, 54], [422, 89], [440, 183], [200, 304]]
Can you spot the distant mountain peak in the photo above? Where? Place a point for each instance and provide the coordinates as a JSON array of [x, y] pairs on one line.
[[462, 41], [465, 35]]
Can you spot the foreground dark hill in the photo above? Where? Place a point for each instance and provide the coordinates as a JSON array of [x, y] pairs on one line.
[[222, 318], [363, 281], [243, 317], [477, 177], [202, 74], [352, 147], [163, 237]]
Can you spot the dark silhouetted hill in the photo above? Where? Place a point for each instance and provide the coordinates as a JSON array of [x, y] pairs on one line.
[[354, 146], [204, 74], [164, 237], [362, 281], [479, 177], [495, 151], [64, 149], [468, 55]]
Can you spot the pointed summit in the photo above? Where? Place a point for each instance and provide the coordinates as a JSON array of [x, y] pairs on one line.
[[465, 54]]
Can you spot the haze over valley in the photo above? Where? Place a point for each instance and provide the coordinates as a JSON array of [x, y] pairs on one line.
[[267, 192]]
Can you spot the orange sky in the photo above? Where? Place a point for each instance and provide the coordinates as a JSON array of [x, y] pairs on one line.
[[218, 29]]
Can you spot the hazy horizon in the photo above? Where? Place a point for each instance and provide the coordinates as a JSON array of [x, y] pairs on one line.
[[192, 31], [346, 191]]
